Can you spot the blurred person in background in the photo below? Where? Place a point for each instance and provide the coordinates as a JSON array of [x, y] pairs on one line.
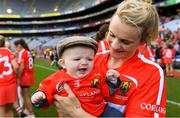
[[33, 54], [55, 59], [19, 110], [168, 58], [25, 74], [8, 80], [100, 38]]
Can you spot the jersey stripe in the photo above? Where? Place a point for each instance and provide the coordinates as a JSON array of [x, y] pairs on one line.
[[161, 80], [103, 52], [103, 47]]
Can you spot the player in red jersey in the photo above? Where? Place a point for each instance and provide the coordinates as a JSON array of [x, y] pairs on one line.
[[168, 57], [142, 92], [8, 81], [100, 38], [76, 57], [26, 73]]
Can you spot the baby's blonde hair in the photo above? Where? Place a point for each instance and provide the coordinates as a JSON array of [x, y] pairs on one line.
[[141, 15]]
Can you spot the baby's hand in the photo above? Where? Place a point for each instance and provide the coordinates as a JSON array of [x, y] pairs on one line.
[[37, 97], [112, 75]]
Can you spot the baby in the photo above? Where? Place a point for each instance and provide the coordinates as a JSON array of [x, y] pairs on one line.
[[76, 55]]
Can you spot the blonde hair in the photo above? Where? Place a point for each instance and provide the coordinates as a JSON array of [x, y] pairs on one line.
[[141, 15]]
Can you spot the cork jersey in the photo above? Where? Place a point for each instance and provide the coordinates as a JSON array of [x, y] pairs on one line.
[[24, 56], [7, 75], [27, 78], [142, 91]]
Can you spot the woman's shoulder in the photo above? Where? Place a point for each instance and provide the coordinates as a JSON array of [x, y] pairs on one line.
[[148, 64]]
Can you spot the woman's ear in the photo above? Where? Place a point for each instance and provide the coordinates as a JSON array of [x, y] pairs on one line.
[[62, 63]]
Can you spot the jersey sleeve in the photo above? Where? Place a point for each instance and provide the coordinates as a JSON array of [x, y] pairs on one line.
[[149, 100], [46, 86]]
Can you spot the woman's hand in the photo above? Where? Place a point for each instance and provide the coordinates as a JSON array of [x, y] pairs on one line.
[[69, 105]]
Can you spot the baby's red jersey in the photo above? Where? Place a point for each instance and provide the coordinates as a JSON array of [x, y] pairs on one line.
[[87, 89], [142, 91], [7, 75], [27, 78]]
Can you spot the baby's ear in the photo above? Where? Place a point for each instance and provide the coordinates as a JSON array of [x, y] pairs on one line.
[[61, 62]]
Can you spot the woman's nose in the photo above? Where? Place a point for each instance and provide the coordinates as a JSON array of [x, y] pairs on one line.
[[115, 44]]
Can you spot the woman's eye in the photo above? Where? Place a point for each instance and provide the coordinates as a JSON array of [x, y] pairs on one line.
[[126, 42], [112, 35]]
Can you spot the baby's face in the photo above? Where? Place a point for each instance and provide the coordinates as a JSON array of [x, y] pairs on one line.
[[78, 61]]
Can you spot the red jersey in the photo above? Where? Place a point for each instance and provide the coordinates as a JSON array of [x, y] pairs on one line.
[[168, 55], [147, 52], [142, 91], [27, 78], [7, 75], [103, 46], [87, 89]]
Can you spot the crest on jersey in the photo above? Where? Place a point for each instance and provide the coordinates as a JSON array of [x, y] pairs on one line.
[[125, 86], [96, 80], [59, 87], [95, 83]]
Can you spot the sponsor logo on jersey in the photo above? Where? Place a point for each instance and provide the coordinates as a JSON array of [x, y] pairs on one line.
[[90, 93], [125, 86], [153, 107]]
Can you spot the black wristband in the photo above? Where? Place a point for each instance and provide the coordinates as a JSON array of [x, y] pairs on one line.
[[40, 104]]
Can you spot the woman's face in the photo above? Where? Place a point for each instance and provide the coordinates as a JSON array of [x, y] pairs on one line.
[[123, 39], [19, 47]]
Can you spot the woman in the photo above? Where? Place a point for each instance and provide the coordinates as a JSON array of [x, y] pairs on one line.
[[8, 81], [144, 93], [25, 74]]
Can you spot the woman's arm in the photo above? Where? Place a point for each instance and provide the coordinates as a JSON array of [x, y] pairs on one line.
[[70, 105], [15, 65], [21, 70]]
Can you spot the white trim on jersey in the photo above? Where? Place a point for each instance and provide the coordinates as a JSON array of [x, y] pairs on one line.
[[161, 80], [20, 55], [103, 52], [150, 54], [103, 47]]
